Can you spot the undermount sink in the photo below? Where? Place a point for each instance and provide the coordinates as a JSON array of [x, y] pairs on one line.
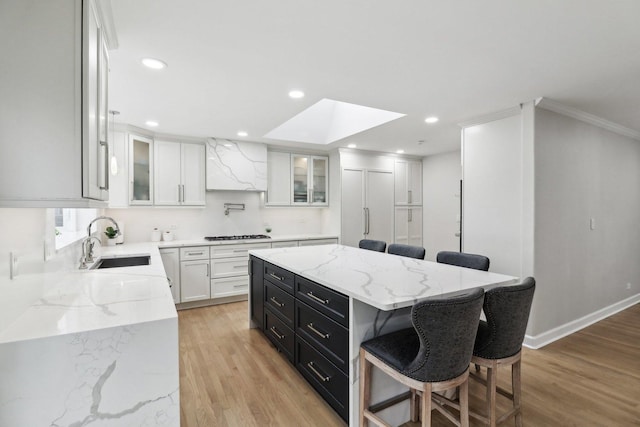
[[131, 261]]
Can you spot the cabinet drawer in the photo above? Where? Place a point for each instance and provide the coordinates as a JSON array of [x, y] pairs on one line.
[[279, 334], [317, 242], [289, 244], [229, 267], [236, 250], [327, 336], [195, 252], [279, 276], [326, 301], [229, 286], [324, 376], [280, 302]]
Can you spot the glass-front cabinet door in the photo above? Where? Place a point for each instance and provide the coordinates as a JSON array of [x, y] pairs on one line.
[[140, 170], [309, 181]]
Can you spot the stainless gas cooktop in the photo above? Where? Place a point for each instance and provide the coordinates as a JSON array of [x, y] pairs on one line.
[[240, 237]]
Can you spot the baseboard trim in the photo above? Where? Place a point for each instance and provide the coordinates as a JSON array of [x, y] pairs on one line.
[[540, 340]]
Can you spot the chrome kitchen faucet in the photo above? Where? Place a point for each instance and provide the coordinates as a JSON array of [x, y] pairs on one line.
[[87, 246]]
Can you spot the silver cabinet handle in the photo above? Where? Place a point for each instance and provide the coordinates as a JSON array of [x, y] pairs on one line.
[[409, 196], [276, 277], [240, 286], [105, 175], [183, 199], [275, 332], [241, 250], [320, 300], [208, 270], [317, 332], [410, 215], [276, 302], [321, 377], [367, 211], [179, 196], [239, 266], [195, 253]]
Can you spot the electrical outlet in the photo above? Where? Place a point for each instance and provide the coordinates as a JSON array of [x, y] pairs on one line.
[[592, 223], [13, 265], [628, 286]]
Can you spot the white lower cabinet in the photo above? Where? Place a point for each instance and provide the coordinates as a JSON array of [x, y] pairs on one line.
[[171, 261], [230, 268], [408, 225], [194, 274]]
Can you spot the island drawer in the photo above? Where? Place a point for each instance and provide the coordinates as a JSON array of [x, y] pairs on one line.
[[279, 276], [279, 334], [324, 376], [193, 253], [326, 301], [327, 336], [279, 302]]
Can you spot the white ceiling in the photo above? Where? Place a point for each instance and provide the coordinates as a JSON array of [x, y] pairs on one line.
[[232, 63]]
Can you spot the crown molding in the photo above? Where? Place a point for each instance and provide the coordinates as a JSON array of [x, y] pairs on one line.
[[574, 113]]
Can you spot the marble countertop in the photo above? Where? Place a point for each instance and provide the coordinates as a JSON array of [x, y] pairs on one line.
[[381, 280], [278, 238], [81, 300]]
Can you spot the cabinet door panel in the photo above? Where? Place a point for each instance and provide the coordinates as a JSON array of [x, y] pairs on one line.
[[319, 181], [279, 178], [400, 178], [193, 174], [414, 183], [171, 262], [300, 188], [352, 207], [380, 205], [194, 281], [140, 170], [402, 225], [167, 173], [415, 226]]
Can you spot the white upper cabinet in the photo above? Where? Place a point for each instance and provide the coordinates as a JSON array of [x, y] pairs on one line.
[[233, 165], [309, 180], [54, 136], [140, 170], [279, 179], [179, 174], [408, 182]]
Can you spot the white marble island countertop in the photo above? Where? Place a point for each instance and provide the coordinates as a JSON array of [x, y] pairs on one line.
[[381, 280], [85, 300]]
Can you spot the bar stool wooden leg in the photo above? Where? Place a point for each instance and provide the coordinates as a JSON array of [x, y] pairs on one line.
[[414, 405], [492, 383], [463, 396], [516, 389], [426, 405], [365, 387]]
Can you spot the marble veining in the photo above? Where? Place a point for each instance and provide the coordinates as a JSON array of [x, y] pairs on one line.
[[233, 165], [381, 280]]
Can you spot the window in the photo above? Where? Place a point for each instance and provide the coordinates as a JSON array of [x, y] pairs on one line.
[[71, 224]]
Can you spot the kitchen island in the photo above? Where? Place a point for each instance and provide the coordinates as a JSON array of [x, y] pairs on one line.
[[318, 303], [96, 347]]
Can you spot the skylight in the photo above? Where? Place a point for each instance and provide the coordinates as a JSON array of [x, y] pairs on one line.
[[328, 121]]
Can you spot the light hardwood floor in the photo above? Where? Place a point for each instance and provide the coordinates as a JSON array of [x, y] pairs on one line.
[[232, 376]]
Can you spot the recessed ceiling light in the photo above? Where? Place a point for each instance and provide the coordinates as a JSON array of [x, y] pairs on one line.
[[295, 94], [155, 64], [151, 123], [242, 133], [431, 120], [351, 145], [399, 151]]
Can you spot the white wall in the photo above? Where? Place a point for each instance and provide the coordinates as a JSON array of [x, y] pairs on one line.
[[583, 172], [195, 223], [496, 192], [441, 175]]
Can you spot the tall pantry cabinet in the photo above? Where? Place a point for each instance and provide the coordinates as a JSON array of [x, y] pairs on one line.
[[53, 131], [367, 205], [408, 202]]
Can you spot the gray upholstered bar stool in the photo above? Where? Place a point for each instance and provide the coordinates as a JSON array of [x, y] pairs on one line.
[[431, 356], [462, 259], [373, 245], [406, 250], [499, 343]]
